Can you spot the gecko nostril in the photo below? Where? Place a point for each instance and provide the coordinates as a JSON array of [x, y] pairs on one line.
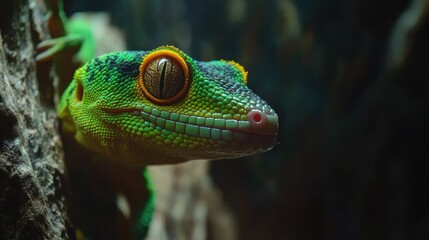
[[257, 117], [262, 123]]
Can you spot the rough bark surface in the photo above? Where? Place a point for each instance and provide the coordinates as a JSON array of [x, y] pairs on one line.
[[31, 164], [188, 205]]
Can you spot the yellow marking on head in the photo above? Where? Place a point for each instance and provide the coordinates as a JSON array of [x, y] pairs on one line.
[[240, 68]]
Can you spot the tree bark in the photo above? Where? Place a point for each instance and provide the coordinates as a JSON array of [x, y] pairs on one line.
[[32, 196]]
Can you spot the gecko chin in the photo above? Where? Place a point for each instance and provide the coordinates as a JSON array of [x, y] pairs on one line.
[[252, 144], [247, 144]]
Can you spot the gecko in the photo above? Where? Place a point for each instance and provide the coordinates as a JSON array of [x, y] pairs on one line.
[[162, 107], [140, 108]]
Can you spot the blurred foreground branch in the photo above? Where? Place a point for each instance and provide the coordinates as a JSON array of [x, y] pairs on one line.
[[403, 33]]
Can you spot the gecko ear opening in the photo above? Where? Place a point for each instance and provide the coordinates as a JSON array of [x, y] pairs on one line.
[[79, 91], [164, 76]]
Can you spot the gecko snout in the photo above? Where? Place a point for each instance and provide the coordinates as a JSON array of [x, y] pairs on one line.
[[263, 123]]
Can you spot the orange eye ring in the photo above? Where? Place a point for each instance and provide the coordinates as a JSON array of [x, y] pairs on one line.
[[164, 76]]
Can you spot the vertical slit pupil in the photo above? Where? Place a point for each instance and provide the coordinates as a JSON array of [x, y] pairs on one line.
[[162, 79]]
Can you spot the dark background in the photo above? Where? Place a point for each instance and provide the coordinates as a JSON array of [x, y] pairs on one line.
[[352, 158]]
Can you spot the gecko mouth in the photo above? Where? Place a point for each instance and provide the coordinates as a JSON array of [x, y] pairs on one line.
[[260, 129]]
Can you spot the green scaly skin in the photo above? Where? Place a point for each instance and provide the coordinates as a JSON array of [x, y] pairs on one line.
[[106, 109], [108, 112]]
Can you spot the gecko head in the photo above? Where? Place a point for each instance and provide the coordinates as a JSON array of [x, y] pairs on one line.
[[163, 106]]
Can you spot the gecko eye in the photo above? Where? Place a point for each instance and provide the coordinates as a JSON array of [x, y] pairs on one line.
[[164, 77]]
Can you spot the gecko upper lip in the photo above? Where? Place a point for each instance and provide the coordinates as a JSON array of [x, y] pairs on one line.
[[260, 125]]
